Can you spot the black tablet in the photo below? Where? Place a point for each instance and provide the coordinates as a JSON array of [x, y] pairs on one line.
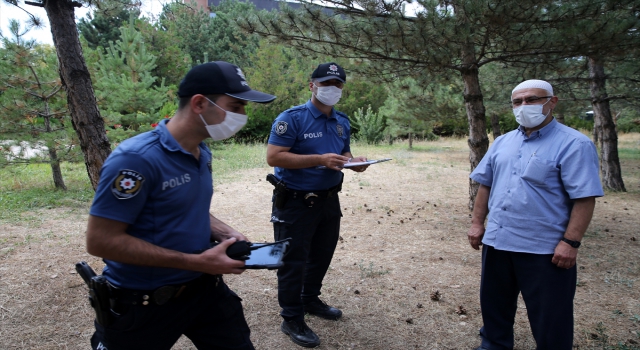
[[266, 255]]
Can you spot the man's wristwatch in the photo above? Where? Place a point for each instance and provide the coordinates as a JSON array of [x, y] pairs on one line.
[[575, 244]]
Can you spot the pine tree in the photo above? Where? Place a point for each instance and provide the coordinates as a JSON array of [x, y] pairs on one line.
[[371, 125], [404, 120], [282, 72], [76, 81], [217, 37], [456, 35], [601, 39], [617, 26], [127, 97], [33, 115], [172, 63], [605, 128], [101, 27]]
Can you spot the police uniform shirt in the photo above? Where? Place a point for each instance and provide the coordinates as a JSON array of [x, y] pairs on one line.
[[307, 131], [164, 193]]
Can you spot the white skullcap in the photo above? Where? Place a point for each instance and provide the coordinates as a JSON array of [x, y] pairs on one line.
[[534, 84]]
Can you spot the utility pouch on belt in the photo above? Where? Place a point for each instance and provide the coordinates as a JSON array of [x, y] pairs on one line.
[[99, 293], [279, 192]]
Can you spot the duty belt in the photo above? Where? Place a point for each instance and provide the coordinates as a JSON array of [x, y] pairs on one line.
[[319, 194], [310, 198], [161, 295]]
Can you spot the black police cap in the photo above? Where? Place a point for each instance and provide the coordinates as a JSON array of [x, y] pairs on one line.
[[217, 78], [327, 71]]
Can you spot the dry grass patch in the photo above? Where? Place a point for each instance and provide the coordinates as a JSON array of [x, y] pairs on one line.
[[403, 239]]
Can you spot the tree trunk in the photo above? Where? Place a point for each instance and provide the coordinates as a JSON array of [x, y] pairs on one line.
[[410, 140], [473, 101], [58, 181], [609, 161], [597, 128], [495, 125], [76, 80]]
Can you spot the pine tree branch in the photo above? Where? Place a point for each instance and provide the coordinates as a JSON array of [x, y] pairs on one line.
[[56, 90]]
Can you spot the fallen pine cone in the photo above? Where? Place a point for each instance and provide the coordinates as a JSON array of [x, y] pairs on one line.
[[460, 310], [435, 296]]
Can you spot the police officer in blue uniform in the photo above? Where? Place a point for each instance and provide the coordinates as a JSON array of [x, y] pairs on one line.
[[309, 146], [151, 224]]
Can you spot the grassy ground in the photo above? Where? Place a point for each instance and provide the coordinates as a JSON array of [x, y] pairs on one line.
[[403, 239]]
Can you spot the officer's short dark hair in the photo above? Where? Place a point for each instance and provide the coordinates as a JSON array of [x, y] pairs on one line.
[[184, 101]]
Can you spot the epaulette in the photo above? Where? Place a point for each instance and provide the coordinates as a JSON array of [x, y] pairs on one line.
[[296, 108], [344, 115]]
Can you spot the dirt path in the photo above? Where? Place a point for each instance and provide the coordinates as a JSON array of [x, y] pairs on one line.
[[403, 238]]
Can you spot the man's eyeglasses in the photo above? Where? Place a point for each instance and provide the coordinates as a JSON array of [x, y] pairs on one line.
[[532, 100]]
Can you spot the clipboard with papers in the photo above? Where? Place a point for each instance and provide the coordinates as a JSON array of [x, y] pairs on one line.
[[355, 164], [368, 162]]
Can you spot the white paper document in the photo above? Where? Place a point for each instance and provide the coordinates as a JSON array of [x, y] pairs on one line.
[[368, 162], [354, 164]]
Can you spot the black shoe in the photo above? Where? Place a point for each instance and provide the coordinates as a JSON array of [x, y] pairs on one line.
[[323, 310], [300, 333]]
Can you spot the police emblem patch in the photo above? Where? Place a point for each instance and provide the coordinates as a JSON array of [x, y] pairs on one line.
[[281, 128], [127, 184], [340, 130], [333, 68], [239, 71]]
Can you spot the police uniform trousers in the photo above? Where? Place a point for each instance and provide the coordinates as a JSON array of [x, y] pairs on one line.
[[314, 233], [547, 290], [210, 316]]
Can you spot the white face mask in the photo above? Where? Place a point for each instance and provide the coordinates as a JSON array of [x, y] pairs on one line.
[[231, 124], [530, 116], [328, 95]]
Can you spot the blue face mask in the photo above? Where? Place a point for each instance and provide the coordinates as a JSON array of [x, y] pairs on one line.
[[530, 116]]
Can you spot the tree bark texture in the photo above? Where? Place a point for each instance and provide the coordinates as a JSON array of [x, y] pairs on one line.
[[473, 101], [597, 129], [76, 80], [608, 137], [58, 181]]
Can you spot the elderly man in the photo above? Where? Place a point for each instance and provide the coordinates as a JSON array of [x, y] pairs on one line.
[[538, 185]]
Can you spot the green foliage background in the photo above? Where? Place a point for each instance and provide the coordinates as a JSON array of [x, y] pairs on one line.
[[33, 110], [137, 63]]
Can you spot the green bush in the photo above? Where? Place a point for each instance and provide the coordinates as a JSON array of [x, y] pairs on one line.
[[455, 126], [507, 123], [371, 126], [258, 125], [629, 123], [578, 123]]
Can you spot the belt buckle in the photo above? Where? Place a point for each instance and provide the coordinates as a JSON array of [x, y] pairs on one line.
[[309, 199], [164, 294]]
